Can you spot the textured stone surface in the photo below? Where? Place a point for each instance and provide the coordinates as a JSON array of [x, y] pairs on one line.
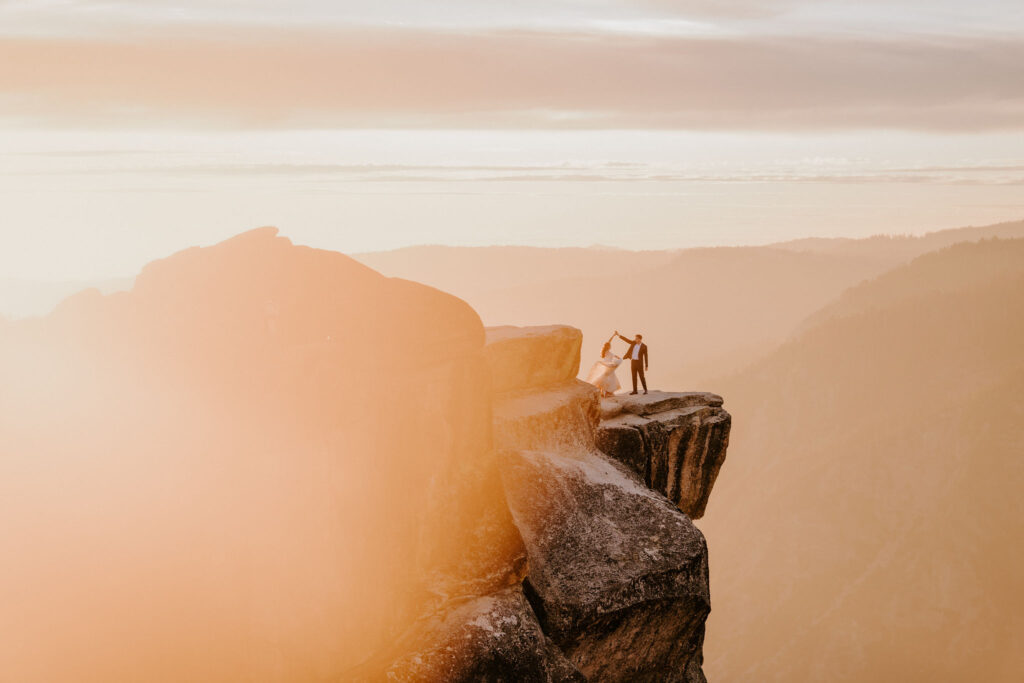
[[610, 408], [618, 575], [495, 637], [531, 357], [564, 416], [678, 451], [664, 401]]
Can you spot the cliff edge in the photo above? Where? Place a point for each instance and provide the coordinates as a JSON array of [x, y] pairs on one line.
[[269, 462], [675, 441], [615, 585], [617, 575]]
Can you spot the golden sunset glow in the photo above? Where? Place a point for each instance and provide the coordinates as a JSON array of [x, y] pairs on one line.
[[494, 340]]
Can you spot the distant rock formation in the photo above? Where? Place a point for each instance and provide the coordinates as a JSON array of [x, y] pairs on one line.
[[675, 441]]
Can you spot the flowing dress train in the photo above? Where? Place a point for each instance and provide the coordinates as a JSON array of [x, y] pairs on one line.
[[602, 375]]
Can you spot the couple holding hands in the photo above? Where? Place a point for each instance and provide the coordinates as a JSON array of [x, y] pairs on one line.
[[602, 375]]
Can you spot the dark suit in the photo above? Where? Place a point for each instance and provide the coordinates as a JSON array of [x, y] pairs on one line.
[[639, 365]]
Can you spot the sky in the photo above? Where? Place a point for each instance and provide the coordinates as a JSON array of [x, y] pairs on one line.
[[129, 130]]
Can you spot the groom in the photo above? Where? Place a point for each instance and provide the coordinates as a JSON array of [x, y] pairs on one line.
[[637, 355]]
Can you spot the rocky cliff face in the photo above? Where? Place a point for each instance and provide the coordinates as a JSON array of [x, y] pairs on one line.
[[675, 441], [617, 576], [310, 471], [615, 585]]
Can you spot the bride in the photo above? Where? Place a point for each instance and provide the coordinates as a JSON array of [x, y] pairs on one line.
[[602, 375]]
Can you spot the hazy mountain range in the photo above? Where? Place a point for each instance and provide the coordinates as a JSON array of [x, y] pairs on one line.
[[869, 524], [23, 298], [703, 312]]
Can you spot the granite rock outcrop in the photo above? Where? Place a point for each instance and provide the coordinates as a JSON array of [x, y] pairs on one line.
[[529, 357], [675, 441], [491, 637], [615, 581], [617, 574], [312, 471]]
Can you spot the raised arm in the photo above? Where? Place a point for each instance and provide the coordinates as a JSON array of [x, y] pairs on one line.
[[628, 341]]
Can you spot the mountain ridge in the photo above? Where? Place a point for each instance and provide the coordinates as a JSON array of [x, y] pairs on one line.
[[899, 421]]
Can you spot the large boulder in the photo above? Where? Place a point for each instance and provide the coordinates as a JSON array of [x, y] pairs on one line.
[[618, 575], [564, 416], [264, 462], [676, 442], [525, 357]]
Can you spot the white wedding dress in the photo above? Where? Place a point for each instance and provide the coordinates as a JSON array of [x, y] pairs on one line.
[[602, 375]]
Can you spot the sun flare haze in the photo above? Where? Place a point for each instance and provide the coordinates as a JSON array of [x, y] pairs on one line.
[[364, 340]]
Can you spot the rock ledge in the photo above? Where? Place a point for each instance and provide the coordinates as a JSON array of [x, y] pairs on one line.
[[675, 441]]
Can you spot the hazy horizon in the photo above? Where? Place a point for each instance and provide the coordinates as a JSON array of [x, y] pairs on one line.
[[131, 130], [22, 297], [327, 240]]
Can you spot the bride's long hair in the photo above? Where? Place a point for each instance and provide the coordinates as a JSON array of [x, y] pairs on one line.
[[606, 348]]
